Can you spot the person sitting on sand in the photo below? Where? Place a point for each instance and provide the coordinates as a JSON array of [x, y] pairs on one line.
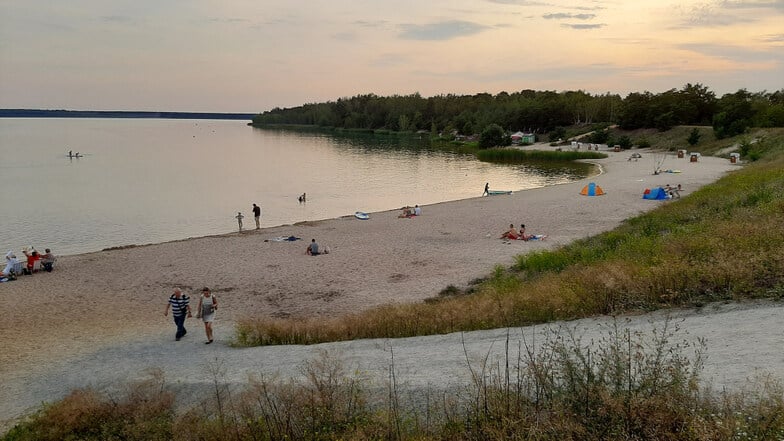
[[10, 262], [511, 233], [417, 210], [406, 212], [673, 192], [313, 248], [31, 259], [528, 237], [523, 236], [47, 260]]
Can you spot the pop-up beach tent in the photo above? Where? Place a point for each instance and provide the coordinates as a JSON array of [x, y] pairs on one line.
[[592, 190], [656, 193]]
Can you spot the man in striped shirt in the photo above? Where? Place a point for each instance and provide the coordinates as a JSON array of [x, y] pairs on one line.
[[180, 309]]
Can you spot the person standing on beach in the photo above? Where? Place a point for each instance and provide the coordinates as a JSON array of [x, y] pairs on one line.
[[487, 189], [181, 308], [257, 215], [208, 304], [239, 217]]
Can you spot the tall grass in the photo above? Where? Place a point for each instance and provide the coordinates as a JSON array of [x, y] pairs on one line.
[[624, 386], [725, 241], [507, 155]]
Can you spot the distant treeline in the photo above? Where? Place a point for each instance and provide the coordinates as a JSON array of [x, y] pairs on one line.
[[40, 113], [540, 111]]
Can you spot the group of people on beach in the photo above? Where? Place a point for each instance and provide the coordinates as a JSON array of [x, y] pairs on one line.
[[513, 234], [673, 192], [46, 262], [179, 303], [409, 212], [256, 216]]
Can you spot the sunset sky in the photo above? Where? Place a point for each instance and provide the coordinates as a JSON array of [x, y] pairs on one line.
[[254, 55]]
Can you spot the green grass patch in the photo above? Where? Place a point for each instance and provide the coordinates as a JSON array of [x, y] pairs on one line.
[[512, 155]]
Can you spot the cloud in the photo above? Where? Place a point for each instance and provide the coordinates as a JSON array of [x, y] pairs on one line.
[[722, 13], [116, 19], [734, 53], [774, 38], [445, 30], [583, 26], [587, 8], [520, 3], [548, 4], [753, 4], [370, 24], [566, 15], [390, 60], [345, 36]]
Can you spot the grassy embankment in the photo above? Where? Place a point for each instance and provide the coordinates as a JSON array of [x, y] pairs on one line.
[[625, 386], [723, 242]]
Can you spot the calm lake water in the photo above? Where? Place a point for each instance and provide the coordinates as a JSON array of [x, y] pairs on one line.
[[150, 180]]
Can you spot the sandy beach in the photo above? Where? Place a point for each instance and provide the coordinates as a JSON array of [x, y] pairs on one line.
[[98, 318]]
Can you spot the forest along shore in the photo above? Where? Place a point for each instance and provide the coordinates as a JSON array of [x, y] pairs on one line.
[[110, 299]]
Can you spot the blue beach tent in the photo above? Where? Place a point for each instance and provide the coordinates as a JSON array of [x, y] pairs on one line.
[[657, 193]]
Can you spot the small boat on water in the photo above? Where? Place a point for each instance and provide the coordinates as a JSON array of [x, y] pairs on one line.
[[497, 192], [361, 215]]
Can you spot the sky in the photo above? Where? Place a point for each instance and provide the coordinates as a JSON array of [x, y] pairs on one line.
[[255, 55]]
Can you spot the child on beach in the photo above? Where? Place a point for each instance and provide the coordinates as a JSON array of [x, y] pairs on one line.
[[239, 217]]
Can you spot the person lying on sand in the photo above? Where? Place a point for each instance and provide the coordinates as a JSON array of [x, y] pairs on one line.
[[527, 237], [406, 212]]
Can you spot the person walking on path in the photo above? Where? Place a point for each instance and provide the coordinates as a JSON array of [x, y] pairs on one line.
[[208, 304], [487, 189], [239, 217], [181, 308], [257, 215]]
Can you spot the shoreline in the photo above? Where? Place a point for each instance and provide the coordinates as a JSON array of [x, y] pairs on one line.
[[598, 167], [108, 300]]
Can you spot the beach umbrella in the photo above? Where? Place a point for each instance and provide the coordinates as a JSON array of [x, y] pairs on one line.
[[592, 190]]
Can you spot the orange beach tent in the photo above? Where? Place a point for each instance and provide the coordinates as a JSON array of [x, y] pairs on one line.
[[592, 190]]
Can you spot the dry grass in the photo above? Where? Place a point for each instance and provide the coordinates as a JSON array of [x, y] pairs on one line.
[[625, 386]]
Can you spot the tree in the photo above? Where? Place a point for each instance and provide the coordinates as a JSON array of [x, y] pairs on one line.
[[694, 137], [735, 114], [558, 134], [493, 135], [625, 142], [600, 136]]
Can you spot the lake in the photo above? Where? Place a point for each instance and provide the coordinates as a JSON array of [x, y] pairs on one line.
[[153, 180]]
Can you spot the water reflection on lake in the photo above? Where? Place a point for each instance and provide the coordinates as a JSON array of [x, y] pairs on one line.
[[151, 180]]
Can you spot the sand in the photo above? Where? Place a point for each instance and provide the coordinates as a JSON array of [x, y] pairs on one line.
[[98, 318]]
